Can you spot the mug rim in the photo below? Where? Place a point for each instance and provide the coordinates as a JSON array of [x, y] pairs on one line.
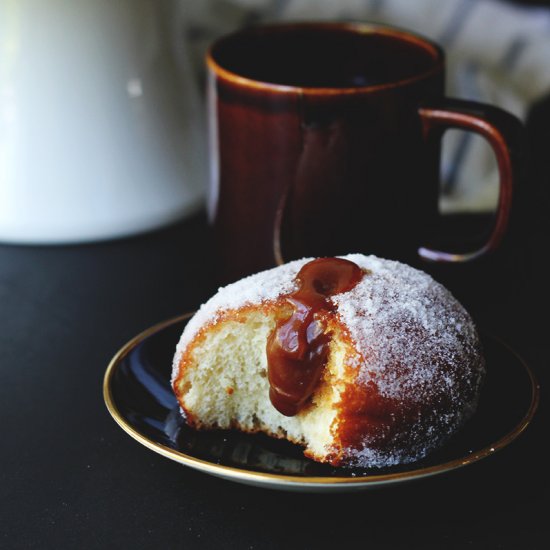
[[429, 46]]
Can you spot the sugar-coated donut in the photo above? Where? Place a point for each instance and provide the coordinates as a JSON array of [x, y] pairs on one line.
[[383, 367]]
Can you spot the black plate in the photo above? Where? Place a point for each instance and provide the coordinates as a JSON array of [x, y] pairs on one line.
[[138, 394]]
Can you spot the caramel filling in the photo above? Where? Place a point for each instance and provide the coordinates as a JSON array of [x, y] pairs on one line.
[[297, 348]]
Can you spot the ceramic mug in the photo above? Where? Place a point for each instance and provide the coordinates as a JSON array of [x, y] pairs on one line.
[[101, 127], [325, 139]]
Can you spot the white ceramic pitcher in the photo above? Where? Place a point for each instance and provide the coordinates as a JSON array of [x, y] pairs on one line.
[[101, 131]]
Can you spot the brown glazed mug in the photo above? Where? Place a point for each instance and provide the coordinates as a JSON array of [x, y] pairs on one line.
[[325, 140]]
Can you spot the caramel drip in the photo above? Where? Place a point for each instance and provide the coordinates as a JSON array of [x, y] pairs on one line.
[[297, 348]]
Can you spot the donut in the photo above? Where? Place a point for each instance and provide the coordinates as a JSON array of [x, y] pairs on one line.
[[364, 362]]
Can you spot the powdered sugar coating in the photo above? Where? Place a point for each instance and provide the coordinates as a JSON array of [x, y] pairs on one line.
[[398, 315], [415, 344]]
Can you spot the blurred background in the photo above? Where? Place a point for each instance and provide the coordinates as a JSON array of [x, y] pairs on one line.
[[101, 103]]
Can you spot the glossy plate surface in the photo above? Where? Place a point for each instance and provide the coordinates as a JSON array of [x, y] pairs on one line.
[[139, 397]]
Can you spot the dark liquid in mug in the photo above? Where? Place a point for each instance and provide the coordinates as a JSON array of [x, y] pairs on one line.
[[303, 57]]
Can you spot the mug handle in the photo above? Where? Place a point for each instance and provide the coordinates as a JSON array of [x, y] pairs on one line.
[[504, 132]]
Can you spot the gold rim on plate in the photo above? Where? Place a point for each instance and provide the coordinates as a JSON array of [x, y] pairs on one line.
[[258, 478]]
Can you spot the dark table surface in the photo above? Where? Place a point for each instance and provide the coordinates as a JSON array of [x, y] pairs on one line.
[[71, 478]]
